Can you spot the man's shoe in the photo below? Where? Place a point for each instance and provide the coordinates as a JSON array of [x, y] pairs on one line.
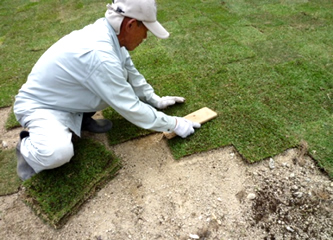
[[24, 134], [24, 171], [96, 126]]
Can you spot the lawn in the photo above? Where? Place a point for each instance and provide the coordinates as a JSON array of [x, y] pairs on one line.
[[264, 66]]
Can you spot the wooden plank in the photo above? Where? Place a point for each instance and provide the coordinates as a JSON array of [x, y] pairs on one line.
[[201, 116]]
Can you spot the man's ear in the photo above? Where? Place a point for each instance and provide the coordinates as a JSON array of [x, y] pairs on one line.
[[130, 24]]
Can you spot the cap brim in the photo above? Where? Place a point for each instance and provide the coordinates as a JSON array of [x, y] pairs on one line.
[[157, 29]]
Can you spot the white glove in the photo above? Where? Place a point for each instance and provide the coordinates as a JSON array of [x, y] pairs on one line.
[[185, 127], [167, 101]]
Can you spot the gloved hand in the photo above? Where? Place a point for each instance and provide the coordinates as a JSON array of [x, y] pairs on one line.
[[167, 101], [185, 127]]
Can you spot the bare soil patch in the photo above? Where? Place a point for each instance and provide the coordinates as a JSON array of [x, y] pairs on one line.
[[212, 195]]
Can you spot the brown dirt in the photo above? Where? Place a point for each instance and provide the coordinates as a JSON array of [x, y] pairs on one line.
[[212, 195]]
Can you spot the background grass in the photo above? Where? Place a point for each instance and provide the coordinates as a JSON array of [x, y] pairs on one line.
[[264, 65]]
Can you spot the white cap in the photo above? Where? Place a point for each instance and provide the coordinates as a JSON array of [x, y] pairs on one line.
[[142, 10]]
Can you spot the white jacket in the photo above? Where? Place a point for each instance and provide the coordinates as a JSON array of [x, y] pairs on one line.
[[87, 71]]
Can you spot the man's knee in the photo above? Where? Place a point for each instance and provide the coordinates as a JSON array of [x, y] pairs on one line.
[[56, 155]]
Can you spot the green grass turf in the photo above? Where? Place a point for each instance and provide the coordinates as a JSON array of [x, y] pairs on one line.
[[58, 193], [264, 66]]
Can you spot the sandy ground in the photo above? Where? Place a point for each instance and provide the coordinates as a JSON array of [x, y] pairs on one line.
[[212, 195]]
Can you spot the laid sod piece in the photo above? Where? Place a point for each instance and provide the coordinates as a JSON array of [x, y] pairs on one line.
[[122, 130], [56, 194], [11, 121], [9, 181]]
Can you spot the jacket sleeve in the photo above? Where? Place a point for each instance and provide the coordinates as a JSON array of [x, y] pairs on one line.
[[109, 82], [139, 84]]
